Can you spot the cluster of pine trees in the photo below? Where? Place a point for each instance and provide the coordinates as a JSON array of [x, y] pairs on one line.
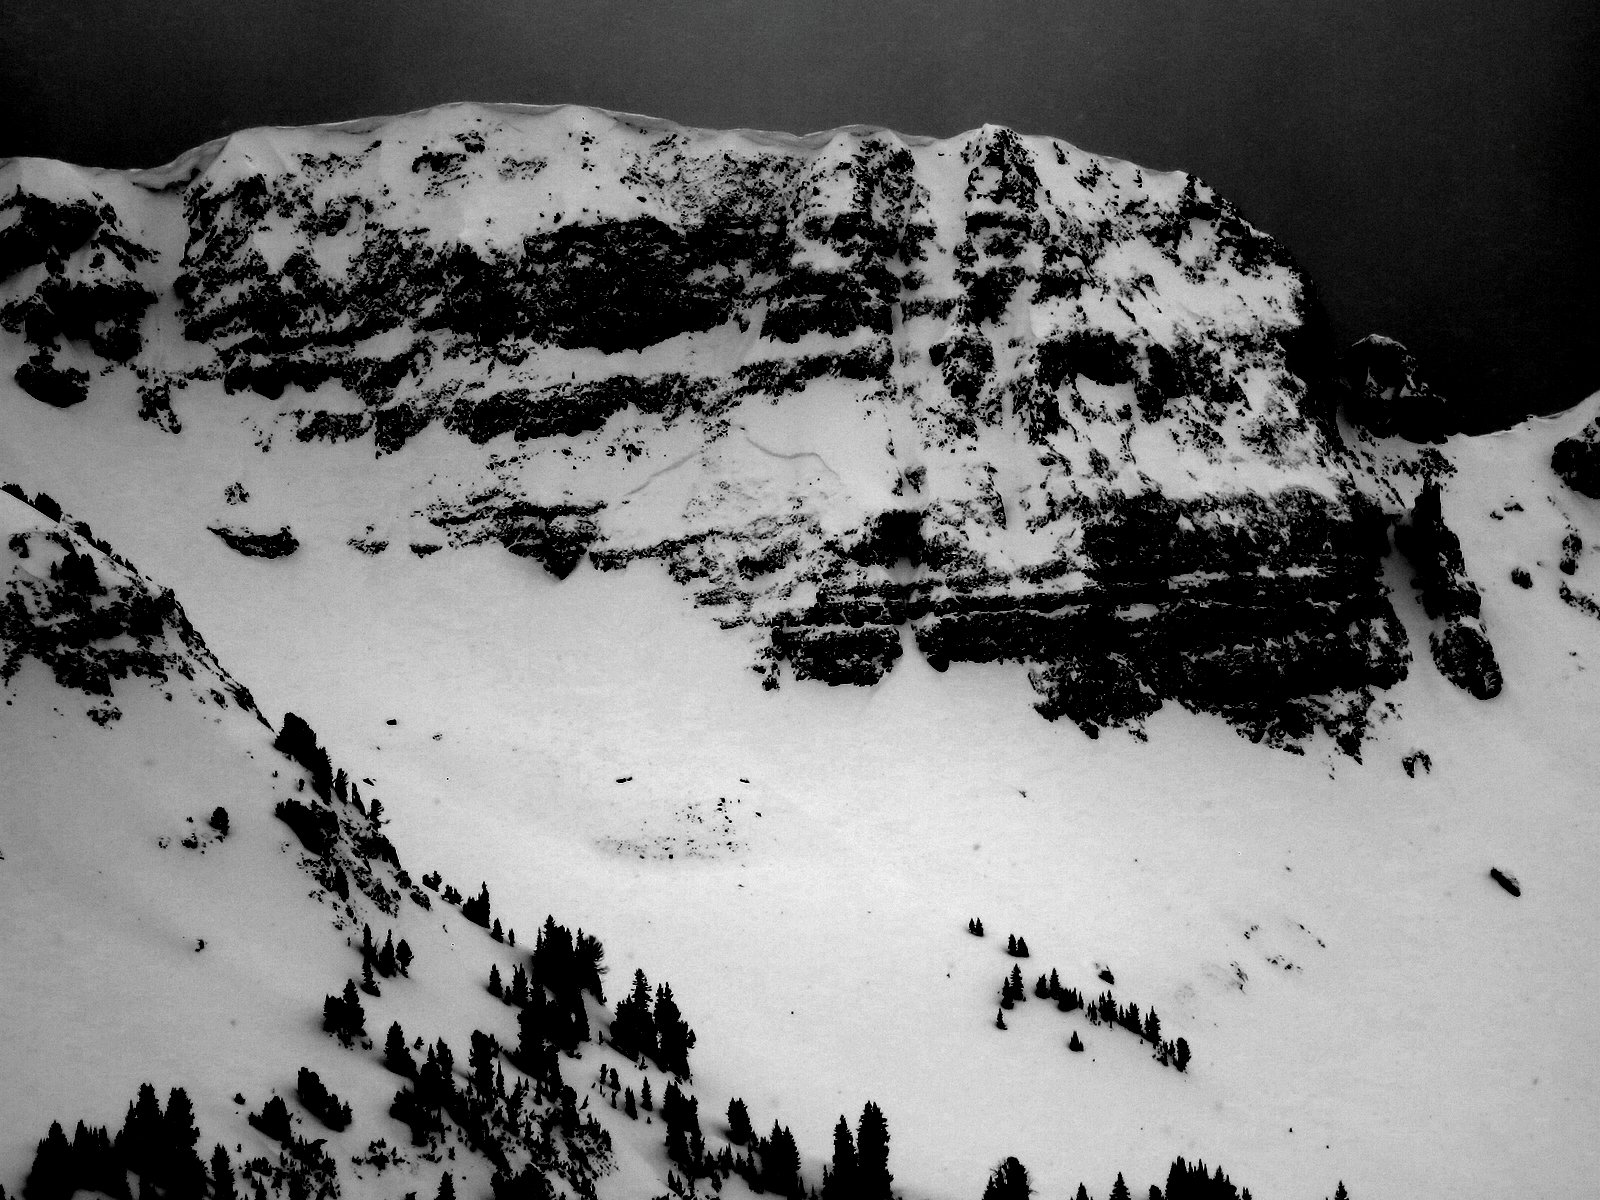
[[1103, 1010], [322, 1104], [343, 1016], [1185, 1181], [154, 1144], [654, 1029]]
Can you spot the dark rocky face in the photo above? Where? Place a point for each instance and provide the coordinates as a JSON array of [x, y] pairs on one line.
[[1021, 402]]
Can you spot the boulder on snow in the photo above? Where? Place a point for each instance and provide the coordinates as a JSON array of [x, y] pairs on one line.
[[1386, 395], [1576, 460], [1507, 881], [258, 545]]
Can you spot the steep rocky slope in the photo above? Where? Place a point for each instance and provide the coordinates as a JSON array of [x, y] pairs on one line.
[[1020, 402]]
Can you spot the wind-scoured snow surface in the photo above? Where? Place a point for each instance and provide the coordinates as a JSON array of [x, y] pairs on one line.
[[453, 373]]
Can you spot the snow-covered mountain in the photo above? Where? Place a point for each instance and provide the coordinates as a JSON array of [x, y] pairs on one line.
[[852, 409]]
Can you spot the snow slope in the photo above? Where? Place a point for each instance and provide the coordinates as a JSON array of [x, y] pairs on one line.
[[1363, 1002]]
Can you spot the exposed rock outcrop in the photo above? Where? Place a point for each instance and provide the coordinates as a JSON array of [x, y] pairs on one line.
[[1016, 401]]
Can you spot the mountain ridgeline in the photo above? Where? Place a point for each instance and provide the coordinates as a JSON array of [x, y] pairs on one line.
[[991, 396]]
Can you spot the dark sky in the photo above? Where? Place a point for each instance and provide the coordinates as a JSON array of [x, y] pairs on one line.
[[1423, 159]]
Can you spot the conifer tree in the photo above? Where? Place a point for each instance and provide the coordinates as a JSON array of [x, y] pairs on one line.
[[1018, 992], [447, 1188], [369, 985], [496, 932], [842, 1181], [1000, 1018], [1009, 1181], [1011, 944], [1083, 1193], [674, 1038], [482, 1055], [182, 1171], [872, 1153], [1152, 1028], [1119, 1189], [1041, 988], [645, 1101], [780, 1164], [1180, 1054], [629, 1106], [495, 988], [396, 1055], [739, 1131], [386, 959], [1074, 1044], [402, 955], [1339, 1193], [222, 1182], [51, 1177], [589, 957], [1022, 947]]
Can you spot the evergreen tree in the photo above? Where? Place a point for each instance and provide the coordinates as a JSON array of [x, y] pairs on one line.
[[739, 1131], [51, 1177], [447, 1188], [589, 965], [495, 988], [139, 1141], [1339, 1193], [222, 1183], [1009, 1181], [1041, 988], [273, 1120], [369, 985], [183, 1172], [1011, 944], [1075, 1045], [674, 1038], [95, 1165], [219, 820], [476, 910], [780, 1164], [396, 1056], [1119, 1189], [634, 1029], [496, 932], [1017, 991], [842, 1180], [872, 1153], [402, 955], [1000, 1018], [482, 1055], [645, 1102], [1022, 947], [629, 1106], [1180, 1054], [1083, 1193], [387, 966], [1054, 987]]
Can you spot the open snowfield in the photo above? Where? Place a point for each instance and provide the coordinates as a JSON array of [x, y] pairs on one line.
[[1363, 1002]]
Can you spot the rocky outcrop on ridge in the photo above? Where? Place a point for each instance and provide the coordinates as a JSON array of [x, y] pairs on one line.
[[991, 396]]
